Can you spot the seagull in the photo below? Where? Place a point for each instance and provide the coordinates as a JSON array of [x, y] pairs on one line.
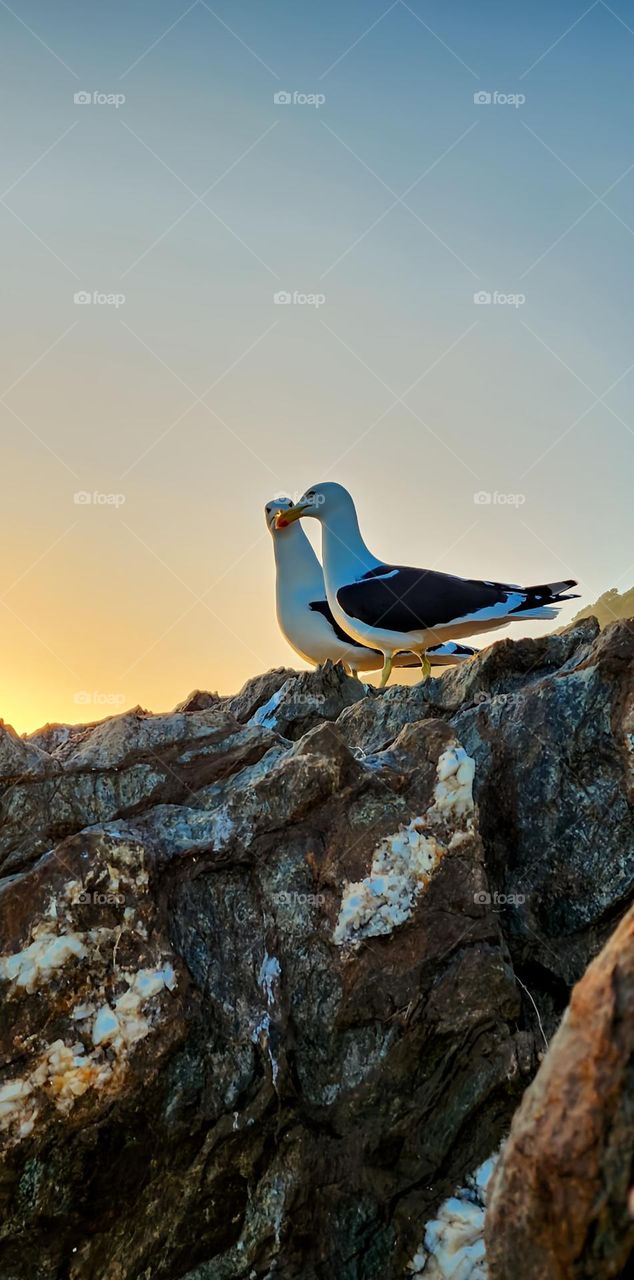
[[392, 607], [303, 613]]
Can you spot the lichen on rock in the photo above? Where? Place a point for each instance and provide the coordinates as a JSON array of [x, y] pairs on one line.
[[404, 862], [91, 910], [453, 1247]]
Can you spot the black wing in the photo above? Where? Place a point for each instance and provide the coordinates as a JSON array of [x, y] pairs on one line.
[[398, 598], [322, 606]]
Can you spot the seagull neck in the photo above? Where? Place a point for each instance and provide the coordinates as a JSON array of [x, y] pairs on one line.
[[298, 571], [345, 555]]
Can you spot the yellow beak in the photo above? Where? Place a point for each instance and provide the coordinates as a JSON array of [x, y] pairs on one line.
[[284, 518]]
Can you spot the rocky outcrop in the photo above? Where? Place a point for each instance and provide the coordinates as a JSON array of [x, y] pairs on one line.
[[277, 968], [549, 723], [561, 1199]]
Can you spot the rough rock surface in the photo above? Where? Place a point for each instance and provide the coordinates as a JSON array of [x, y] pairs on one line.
[[550, 725], [263, 1011], [561, 1197]]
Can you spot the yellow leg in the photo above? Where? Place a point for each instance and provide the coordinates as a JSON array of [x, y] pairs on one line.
[[388, 663], [426, 665], [354, 673]]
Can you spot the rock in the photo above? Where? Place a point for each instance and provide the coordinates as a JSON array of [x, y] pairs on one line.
[[213, 1061], [85, 959], [112, 770], [20, 760], [52, 736], [278, 967], [505, 668], [558, 1206], [292, 702], [308, 699], [258, 691], [549, 724], [554, 788], [199, 701]]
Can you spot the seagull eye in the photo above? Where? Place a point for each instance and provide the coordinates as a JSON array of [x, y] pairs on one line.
[[268, 511]]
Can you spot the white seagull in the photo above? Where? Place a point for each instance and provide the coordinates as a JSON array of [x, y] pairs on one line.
[[302, 608], [393, 607]]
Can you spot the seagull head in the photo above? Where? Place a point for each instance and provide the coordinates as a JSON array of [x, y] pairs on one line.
[[320, 501], [274, 510]]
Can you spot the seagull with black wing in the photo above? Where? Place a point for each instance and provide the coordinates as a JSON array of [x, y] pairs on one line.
[[303, 612], [395, 608]]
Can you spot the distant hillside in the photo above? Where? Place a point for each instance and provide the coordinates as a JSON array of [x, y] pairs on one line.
[[609, 606]]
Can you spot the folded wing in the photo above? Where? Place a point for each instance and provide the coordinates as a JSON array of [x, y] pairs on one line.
[[399, 598]]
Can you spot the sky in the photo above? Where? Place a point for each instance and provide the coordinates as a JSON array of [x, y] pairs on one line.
[[456, 349]]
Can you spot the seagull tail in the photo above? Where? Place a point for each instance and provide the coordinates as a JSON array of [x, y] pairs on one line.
[[538, 602]]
